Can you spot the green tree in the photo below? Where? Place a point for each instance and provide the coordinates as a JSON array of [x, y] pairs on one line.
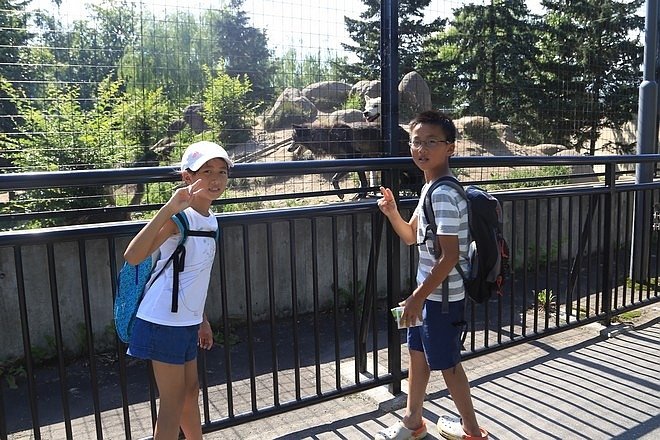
[[590, 58], [226, 108], [292, 71], [365, 32], [484, 64], [85, 53], [13, 36], [170, 54], [242, 49]]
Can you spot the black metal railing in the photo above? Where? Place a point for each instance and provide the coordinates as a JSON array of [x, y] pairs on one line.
[[299, 298]]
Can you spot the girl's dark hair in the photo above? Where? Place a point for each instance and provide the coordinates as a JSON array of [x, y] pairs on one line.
[[438, 119]]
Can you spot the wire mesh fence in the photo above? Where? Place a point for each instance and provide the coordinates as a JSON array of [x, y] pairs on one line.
[[109, 84]]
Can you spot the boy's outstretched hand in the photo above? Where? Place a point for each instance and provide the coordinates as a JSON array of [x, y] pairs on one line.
[[387, 204]]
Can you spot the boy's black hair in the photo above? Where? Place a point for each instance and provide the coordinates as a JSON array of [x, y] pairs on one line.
[[438, 119]]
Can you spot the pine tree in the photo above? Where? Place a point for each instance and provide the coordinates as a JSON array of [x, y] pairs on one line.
[[484, 64], [365, 32], [590, 61]]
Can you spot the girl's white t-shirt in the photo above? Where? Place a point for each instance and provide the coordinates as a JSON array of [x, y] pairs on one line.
[[193, 280]]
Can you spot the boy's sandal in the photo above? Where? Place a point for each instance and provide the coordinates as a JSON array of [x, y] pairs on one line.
[[452, 428], [400, 432]]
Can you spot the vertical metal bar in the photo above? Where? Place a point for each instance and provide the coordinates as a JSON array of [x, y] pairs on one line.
[[121, 347], [610, 182], [152, 393], [204, 385], [548, 259], [315, 299], [389, 71], [581, 245], [272, 315], [512, 264], [354, 282], [27, 351], [558, 263], [599, 245], [248, 316], [617, 247], [225, 326], [377, 222], [376, 232], [294, 306], [84, 282], [59, 343], [335, 306], [389, 66], [590, 252], [525, 268], [569, 281], [537, 251]]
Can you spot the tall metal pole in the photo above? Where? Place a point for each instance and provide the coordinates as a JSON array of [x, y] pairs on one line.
[[646, 144], [389, 95]]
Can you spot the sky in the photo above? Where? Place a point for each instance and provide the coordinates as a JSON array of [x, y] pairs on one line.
[[311, 26]]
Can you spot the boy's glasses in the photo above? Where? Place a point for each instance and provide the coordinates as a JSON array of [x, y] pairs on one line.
[[430, 143]]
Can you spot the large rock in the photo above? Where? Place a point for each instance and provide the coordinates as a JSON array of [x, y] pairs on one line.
[[505, 132], [366, 88], [297, 110], [414, 94], [327, 95], [341, 117], [575, 170], [474, 127], [548, 149], [287, 95]]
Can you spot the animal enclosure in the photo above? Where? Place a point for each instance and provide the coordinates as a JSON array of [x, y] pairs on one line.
[[131, 83]]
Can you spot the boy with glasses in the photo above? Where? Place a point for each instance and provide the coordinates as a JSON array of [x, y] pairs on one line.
[[436, 344]]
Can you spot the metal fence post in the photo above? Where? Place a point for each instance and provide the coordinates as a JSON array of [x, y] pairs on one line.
[[389, 63], [646, 144]]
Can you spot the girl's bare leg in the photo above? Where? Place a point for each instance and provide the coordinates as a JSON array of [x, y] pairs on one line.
[[170, 379], [191, 423]]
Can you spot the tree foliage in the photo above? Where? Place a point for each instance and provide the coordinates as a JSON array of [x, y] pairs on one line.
[[483, 63], [589, 62], [242, 49], [365, 32]]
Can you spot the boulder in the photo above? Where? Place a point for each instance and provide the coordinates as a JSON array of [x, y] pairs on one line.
[[414, 94], [342, 117], [298, 110], [474, 127], [327, 95], [578, 169], [548, 149], [366, 88], [504, 132]]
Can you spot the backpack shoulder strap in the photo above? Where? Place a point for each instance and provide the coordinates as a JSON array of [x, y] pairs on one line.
[[429, 214], [181, 221]]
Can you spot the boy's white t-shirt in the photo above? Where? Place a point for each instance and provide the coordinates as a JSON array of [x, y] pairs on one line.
[[451, 217], [193, 281]]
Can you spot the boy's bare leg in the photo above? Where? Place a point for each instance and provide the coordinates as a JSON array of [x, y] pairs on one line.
[[170, 380], [459, 388], [191, 423], [418, 379]]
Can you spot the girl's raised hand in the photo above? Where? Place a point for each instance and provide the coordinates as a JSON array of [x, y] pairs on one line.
[[183, 197]]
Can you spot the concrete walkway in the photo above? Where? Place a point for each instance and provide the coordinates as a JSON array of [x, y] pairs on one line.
[[579, 384]]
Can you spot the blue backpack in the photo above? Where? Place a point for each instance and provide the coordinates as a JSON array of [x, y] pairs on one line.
[[132, 280]]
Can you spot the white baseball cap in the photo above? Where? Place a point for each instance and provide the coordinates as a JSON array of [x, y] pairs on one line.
[[198, 153]]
